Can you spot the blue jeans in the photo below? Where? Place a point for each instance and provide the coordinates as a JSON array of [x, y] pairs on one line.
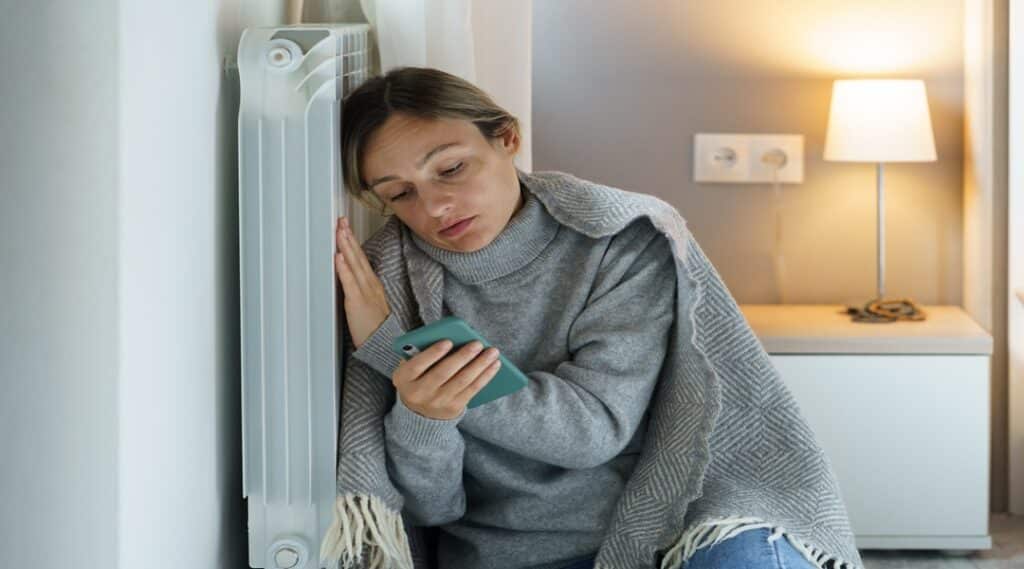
[[747, 550]]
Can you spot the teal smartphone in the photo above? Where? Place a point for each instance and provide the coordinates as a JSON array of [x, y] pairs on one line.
[[509, 378]]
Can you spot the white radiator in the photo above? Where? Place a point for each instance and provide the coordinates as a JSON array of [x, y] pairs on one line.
[[290, 196]]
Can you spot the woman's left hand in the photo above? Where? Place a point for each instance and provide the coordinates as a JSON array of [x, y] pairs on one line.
[[366, 305]]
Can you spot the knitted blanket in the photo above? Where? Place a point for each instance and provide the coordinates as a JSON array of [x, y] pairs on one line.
[[726, 450]]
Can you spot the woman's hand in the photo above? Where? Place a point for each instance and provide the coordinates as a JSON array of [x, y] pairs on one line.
[[440, 388], [366, 305]]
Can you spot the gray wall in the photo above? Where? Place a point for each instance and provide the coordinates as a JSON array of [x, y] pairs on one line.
[[58, 253], [620, 88]]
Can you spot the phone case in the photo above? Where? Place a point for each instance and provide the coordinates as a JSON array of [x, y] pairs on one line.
[[509, 378]]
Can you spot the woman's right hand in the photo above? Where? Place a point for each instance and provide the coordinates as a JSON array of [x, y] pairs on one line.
[[438, 386]]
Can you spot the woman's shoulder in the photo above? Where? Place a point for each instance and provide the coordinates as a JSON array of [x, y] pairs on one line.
[[598, 209], [638, 239], [384, 243]]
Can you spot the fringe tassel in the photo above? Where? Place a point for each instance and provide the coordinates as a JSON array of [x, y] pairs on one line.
[[712, 532], [361, 520]]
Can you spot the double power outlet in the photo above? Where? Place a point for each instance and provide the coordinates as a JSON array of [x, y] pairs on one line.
[[748, 158]]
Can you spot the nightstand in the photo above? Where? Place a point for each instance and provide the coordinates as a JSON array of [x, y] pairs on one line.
[[902, 411]]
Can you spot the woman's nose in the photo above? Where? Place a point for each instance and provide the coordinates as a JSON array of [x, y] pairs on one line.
[[437, 201]]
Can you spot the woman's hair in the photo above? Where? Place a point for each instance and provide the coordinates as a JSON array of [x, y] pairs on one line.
[[420, 92]]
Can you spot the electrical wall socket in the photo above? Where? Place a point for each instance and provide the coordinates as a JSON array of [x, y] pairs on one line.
[[739, 158]]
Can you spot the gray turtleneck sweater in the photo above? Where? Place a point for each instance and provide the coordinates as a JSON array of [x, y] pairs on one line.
[[530, 480]]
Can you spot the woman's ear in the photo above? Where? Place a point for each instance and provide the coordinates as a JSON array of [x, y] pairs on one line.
[[510, 141]]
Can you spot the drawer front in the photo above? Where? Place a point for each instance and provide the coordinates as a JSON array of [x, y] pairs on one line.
[[907, 436]]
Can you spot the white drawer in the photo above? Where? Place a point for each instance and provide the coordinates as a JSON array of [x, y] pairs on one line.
[[908, 438]]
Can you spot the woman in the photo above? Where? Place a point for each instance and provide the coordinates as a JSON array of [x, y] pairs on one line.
[[537, 489]]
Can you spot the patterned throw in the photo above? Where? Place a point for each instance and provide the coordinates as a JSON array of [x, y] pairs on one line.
[[727, 449]]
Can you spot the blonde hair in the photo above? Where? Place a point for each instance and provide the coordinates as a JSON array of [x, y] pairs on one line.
[[420, 92]]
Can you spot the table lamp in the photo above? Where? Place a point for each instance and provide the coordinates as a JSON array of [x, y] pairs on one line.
[[880, 120]]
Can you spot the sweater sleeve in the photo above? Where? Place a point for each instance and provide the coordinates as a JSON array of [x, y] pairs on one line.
[[424, 461], [424, 455], [587, 410], [376, 350]]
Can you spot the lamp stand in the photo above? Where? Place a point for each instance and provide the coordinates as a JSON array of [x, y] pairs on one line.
[[879, 182], [881, 309]]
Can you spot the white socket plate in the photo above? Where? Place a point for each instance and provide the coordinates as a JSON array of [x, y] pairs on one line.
[[712, 150]]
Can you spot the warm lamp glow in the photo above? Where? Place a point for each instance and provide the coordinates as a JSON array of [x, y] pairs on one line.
[[879, 120]]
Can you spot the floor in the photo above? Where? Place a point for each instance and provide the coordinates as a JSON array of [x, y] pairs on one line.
[[1007, 551]]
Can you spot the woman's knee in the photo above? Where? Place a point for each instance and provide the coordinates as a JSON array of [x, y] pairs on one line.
[[749, 549]]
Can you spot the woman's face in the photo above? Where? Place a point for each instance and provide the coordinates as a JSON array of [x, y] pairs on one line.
[[433, 173]]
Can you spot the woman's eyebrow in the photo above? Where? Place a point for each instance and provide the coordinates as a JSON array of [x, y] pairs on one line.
[[418, 164]]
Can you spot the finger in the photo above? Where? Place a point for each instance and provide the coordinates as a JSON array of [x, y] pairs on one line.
[[468, 374], [339, 237], [355, 260], [350, 264], [421, 362], [357, 251], [478, 383], [348, 282], [441, 373]]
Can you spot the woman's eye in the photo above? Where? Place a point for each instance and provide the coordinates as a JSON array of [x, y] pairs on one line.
[[452, 171], [398, 196]]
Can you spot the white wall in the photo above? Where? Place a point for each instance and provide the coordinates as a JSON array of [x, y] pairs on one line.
[[984, 207], [58, 284], [179, 408], [1015, 256], [119, 327]]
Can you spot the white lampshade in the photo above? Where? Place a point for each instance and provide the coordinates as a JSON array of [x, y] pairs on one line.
[[879, 120]]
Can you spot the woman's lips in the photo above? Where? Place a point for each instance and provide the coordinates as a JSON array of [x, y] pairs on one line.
[[458, 228]]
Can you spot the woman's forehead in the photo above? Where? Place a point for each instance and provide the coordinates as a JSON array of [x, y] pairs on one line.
[[404, 130], [405, 141]]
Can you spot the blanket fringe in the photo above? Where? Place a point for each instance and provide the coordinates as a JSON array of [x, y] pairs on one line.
[[712, 532], [365, 520]]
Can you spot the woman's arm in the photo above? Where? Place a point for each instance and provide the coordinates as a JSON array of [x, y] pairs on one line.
[[376, 350], [587, 410], [424, 455], [424, 461]]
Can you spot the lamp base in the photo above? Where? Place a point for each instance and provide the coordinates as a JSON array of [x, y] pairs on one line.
[[879, 311]]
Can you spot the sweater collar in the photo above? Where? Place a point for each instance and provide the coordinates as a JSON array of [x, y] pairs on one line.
[[525, 235]]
